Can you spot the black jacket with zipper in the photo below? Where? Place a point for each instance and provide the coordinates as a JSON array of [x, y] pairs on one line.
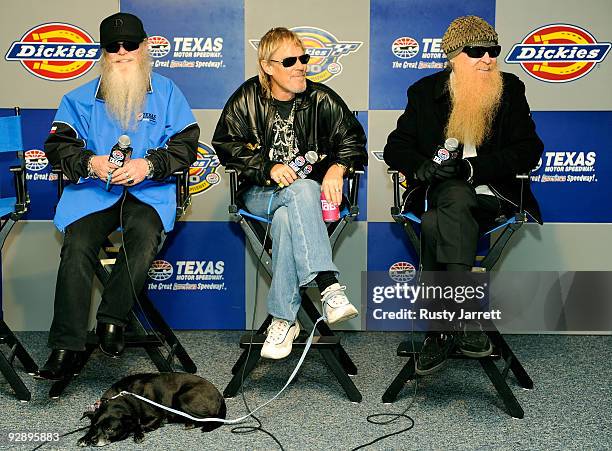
[[512, 148], [323, 123]]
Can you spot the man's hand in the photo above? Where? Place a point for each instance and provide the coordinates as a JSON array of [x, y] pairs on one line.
[[131, 173], [102, 167], [283, 174], [457, 168], [425, 173], [332, 184]]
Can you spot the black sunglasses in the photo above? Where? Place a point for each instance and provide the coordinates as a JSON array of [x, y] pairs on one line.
[[129, 46], [291, 60], [477, 51]]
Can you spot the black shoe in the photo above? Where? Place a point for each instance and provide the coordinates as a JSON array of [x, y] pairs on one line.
[[61, 363], [433, 355], [111, 339], [474, 343]]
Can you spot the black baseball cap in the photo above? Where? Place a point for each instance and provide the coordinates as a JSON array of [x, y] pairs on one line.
[[121, 27]]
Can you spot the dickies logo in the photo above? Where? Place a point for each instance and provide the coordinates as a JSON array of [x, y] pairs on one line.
[[55, 51], [203, 172], [558, 53], [325, 52]]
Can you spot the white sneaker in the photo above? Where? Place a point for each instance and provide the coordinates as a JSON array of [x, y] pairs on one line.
[[279, 340], [336, 304]]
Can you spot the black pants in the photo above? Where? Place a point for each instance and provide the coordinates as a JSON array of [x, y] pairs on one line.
[[143, 235], [453, 223]]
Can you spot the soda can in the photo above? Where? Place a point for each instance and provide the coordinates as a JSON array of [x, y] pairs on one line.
[[331, 212]]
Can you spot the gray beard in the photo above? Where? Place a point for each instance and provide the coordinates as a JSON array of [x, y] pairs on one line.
[[125, 94]]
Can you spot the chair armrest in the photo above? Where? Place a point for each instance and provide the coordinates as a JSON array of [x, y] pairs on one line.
[[233, 175], [397, 200], [353, 194], [183, 196], [524, 178], [19, 179]]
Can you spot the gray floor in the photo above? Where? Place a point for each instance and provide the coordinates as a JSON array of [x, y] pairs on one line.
[[570, 407]]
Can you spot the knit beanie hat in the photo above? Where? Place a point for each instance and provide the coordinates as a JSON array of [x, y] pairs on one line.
[[467, 30]]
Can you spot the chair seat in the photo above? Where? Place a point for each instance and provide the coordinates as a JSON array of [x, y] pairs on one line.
[[7, 205], [412, 217]]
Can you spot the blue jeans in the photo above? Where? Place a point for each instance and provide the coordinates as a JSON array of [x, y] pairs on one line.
[[300, 243]]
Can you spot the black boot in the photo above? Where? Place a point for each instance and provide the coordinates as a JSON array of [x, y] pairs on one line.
[[436, 348], [111, 339], [61, 363]]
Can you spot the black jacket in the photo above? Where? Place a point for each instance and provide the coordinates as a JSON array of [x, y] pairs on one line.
[[323, 123], [513, 146]]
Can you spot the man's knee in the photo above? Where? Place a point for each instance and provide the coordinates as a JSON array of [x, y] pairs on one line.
[[456, 193], [78, 245], [306, 191], [280, 221]]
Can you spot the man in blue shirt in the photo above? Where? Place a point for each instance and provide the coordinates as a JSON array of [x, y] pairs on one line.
[[127, 99]]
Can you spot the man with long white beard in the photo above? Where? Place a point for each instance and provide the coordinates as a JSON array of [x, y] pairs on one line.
[[127, 99], [486, 111]]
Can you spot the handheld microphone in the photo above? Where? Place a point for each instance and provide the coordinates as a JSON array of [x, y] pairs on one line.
[[449, 151], [118, 155], [299, 166]]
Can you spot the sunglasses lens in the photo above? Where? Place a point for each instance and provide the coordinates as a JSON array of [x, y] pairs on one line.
[[494, 51], [479, 52], [304, 58], [112, 48], [289, 61], [130, 46]]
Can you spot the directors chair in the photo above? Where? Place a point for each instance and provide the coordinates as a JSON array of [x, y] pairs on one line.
[[146, 327], [11, 210], [324, 341], [501, 350]]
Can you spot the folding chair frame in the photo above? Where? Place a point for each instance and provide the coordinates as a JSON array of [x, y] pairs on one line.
[[146, 327], [501, 349], [325, 341], [7, 337]]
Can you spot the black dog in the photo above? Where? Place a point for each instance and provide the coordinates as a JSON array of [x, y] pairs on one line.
[[116, 419]]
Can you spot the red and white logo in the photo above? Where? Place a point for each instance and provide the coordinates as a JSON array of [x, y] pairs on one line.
[[55, 51], [558, 53], [402, 272], [35, 160]]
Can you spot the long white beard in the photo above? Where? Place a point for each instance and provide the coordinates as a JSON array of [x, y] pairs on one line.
[[475, 99], [124, 92]]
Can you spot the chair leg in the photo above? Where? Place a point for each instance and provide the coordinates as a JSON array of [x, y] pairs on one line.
[[406, 374], [162, 328], [324, 329], [514, 408], [21, 391], [342, 377], [243, 356], [246, 368], [19, 351], [515, 365]]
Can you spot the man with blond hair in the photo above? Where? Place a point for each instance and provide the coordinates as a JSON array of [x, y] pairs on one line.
[[291, 139], [486, 111], [127, 99]]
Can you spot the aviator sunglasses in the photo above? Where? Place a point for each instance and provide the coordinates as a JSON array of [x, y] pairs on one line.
[[129, 46], [291, 60], [477, 51]]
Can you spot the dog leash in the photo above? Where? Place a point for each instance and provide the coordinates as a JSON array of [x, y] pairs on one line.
[[241, 419]]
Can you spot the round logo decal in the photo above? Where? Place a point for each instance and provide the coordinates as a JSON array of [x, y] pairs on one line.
[[160, 270], [203, 172], [405, 48], [402, 272], [159, 46], [35, 160], [55, 51]]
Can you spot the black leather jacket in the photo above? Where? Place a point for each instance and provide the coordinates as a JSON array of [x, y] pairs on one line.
[[323, 123]]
